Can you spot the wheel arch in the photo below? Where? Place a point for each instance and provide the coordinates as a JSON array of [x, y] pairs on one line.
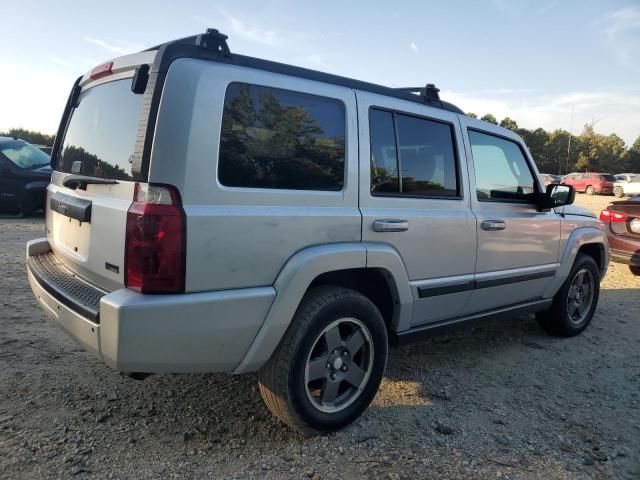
[[360, 266], [589, 240]]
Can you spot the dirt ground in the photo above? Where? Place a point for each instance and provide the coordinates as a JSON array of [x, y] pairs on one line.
[[500, 400]]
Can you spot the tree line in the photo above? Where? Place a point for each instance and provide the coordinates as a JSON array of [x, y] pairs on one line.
[[590, 151]]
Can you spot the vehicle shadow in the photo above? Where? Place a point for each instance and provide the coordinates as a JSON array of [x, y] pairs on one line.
[[470, 377]]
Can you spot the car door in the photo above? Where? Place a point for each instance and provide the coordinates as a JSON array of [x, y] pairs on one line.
[[414, 197], [9, 184], [517, 244], [633, 186]]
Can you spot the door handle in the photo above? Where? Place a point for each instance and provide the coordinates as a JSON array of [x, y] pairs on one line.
[[493, 225], [390, 225]]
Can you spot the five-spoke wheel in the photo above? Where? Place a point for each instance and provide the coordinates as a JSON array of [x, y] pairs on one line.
[[339, 364], [329, 364]]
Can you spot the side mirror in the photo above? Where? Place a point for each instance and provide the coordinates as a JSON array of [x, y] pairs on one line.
[[557, 196]]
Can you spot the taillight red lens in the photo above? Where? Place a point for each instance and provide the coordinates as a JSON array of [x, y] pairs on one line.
[[155, 240], [613, 217]]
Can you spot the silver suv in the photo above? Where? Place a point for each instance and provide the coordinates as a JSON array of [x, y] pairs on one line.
[[212, 212]]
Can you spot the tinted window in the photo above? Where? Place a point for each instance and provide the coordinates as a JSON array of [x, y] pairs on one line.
[[608, 178], [274, 138], [23, 154], [423, 155], [102, 132], [502, 172], [384, 157]]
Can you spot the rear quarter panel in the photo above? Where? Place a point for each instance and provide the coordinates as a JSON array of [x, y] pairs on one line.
[[242, 237]]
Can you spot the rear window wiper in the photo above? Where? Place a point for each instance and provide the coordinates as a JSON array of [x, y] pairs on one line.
[[81, 181]]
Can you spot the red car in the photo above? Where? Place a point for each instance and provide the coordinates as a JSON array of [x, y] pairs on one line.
[[623, 219], [591, 183]]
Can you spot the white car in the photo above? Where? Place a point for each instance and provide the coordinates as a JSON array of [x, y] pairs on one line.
[[627, 184]]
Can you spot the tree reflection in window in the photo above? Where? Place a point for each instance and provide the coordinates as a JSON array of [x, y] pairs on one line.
[[273, 138]]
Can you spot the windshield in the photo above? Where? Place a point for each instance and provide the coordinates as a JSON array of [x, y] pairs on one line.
[[101, 136], [608, 178], [23, 154]]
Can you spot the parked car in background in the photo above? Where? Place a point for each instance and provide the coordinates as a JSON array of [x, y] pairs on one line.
[[628, 187], [624, 177], [549, 179], [275, 219], [591, 183], [24, 176], [622, 219]]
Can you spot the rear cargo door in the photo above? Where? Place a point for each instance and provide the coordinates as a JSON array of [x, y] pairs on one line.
[[93, 182]]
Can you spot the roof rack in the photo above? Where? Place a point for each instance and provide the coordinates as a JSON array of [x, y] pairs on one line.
[[429, 91], [212, 45]]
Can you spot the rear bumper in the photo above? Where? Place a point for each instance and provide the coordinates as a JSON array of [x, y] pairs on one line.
[[134, 332]]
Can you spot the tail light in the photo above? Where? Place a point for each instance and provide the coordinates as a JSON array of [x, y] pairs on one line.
[[155, 240], [613, 217]]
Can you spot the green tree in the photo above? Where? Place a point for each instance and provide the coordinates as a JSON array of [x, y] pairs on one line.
[[631, 158], [489, 118], [472, 115], [31, 136], [509, 123]]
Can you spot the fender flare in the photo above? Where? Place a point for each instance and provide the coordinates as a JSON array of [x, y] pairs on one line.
[[579, 237], [300, 271]]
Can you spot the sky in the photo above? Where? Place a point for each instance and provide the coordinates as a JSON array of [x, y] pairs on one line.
[[534, 61]]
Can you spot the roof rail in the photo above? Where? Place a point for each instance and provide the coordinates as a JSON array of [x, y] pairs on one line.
[[429, 91], [212, 39]]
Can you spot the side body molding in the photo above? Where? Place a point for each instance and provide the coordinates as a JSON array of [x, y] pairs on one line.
[[298, 273], [579, 237]]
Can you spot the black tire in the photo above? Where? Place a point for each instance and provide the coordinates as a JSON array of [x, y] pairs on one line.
[[283, 379], [590, 190], [635, 270], [28, 205], [557, 320]]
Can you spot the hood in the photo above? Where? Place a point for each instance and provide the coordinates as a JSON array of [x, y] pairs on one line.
[[576, 210], [46, 169]]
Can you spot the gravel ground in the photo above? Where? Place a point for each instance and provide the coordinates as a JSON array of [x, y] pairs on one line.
[[502, 400]]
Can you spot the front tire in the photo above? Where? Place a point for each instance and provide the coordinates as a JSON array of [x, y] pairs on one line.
[[329, 364], [618, 192], [576, 301], [590, 190], [635, 270]]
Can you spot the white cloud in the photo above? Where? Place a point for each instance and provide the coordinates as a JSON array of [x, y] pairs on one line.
[[124, 49], [622, 29], [546, 8], [414, 47], [616, 109]]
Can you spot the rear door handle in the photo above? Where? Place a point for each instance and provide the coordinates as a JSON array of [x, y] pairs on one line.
[[493, 225], [390, 225]]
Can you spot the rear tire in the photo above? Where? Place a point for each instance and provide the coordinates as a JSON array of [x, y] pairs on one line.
[[329, 364], [635, 270], [590, 190], [618, 192], [576, 301]]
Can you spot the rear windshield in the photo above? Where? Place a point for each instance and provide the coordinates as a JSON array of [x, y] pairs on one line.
[[23, 154], [608, 178], [101, 136]]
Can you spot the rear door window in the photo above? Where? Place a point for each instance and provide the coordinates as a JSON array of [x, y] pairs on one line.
[[280, 139], [411, 156], [101, 135]]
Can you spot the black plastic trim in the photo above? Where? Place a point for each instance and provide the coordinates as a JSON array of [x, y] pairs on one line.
[[525, 277], [425, 292], [72, 207], [62, 296], [425, 331]]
